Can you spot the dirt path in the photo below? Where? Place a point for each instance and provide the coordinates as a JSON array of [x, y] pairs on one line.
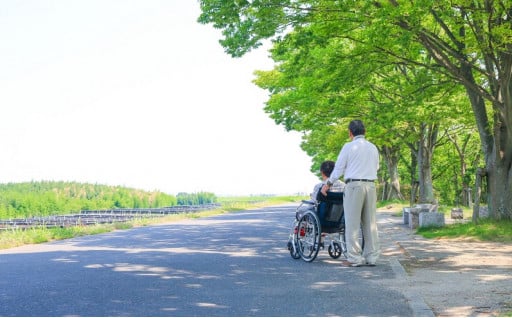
[[455, 277]]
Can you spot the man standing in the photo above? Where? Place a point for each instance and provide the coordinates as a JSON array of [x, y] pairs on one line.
[[358, 162]]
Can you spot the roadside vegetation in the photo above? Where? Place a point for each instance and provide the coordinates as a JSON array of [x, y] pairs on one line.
[[44, 198]]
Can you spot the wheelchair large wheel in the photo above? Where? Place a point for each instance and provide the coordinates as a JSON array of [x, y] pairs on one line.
[[308, 236]]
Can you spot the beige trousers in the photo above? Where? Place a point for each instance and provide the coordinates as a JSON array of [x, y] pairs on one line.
[[360, 205]]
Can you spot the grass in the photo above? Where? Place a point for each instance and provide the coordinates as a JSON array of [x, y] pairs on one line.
[[37, 235], [485, 230]]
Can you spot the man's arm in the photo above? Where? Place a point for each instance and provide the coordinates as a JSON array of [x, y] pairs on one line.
[[338, 171]]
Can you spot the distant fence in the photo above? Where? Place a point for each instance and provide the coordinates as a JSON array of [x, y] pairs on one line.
[[92, 217], [155, 211]]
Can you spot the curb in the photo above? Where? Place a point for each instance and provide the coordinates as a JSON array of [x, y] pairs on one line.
[[392, 233], [418, 306]]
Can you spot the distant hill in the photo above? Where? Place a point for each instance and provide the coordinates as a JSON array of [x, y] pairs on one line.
[[43, 198]]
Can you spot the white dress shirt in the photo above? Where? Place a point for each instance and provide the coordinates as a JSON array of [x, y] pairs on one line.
[[358, 159]]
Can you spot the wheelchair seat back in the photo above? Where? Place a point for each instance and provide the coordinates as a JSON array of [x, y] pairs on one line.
[[330, 211]]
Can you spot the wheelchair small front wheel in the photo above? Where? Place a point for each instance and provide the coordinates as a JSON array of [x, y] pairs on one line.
[[334, 250], [294, 253]]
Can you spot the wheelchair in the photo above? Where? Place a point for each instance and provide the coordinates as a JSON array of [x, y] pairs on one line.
[[323, 224]]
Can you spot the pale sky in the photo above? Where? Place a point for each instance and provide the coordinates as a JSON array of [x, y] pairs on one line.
[[137, 94]]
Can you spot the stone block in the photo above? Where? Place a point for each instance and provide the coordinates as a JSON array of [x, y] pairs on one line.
[[457, 213], [405, 215], [427, 207], [431, 219], [414, 218], [483, 212]]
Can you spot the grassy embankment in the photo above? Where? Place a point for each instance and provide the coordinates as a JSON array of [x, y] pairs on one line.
[[13, 238]]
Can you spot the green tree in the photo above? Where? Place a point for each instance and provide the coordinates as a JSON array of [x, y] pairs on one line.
[[469, 42], [48, 198], [319, 82]]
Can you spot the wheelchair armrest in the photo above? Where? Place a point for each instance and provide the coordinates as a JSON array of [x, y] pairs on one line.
[[308, 202]]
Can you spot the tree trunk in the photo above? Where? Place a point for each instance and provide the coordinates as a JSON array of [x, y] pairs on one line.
[[391, 156], [478, 188], [461, 148], [428, 138], [497, 149], [499, 177], [413, 173]]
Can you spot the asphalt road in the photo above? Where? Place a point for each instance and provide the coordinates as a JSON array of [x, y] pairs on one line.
[[234, 264]]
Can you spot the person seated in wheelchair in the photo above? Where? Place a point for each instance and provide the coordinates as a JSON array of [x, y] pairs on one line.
[[326, 169]]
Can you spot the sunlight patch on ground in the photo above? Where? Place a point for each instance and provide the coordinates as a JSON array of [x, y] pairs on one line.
[[326, 285], [456, 311], [194, 285], [139, 268], [169, 309], [494, 277], [65, 260], [212, 221], [179, 250], [209, 305]]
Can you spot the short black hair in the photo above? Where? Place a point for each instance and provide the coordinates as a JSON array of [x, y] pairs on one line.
[[356, 127], [327, 167]]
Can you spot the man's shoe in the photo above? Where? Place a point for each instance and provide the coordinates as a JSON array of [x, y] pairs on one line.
[[370, 264], [345, 263]]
